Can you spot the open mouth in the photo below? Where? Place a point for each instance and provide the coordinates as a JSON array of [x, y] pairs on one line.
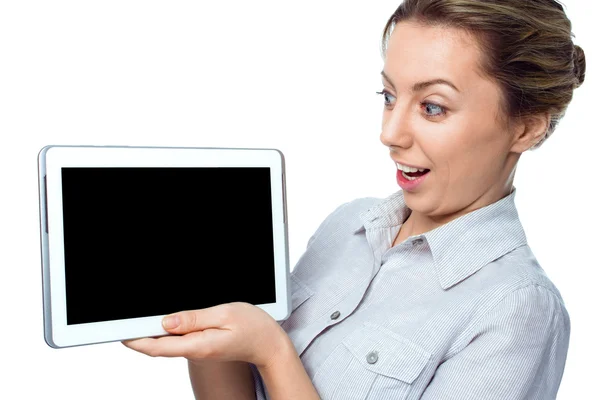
[[411, 173], [411, 176]]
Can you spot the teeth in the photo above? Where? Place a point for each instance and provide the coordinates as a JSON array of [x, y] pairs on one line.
[[410, 178], [405, 168]]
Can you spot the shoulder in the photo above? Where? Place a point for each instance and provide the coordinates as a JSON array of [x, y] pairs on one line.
[[519, 270], [513, 295], [532, 300], [355, 207], [529, 306], [346, 215], [529, 316]]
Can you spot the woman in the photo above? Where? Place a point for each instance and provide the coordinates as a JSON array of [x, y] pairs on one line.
[[433, 292]]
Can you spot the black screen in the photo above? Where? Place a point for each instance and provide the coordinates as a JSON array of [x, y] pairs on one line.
[[150, 241]]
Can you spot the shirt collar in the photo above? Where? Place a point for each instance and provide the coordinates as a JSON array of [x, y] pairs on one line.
[[462, 246]]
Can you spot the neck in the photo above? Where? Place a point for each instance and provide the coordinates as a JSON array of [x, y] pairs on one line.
[[418, 223]]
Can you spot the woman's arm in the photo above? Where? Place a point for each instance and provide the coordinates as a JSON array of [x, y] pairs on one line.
[[285, 377], [237, 333], [221, 380]]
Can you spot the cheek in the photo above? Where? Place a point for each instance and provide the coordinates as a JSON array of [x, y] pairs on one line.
[[461, 150], [449, 151]]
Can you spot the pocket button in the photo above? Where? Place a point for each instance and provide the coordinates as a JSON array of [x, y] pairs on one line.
[[372, 357]]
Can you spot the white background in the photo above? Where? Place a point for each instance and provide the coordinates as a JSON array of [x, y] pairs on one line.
[[297, 76]]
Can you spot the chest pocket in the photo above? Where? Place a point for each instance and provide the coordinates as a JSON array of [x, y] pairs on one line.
[[371, 363]]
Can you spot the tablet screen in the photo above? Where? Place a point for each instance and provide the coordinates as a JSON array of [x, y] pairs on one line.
[[141, 242]]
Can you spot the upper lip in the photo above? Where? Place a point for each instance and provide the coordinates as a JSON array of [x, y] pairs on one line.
[[409, 165]]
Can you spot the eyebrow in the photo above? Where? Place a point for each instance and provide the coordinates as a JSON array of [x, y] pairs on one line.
[[422, 85]]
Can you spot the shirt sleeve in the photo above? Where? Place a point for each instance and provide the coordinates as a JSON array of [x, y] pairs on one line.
[[516, 351], [259, 388], [325, 222]]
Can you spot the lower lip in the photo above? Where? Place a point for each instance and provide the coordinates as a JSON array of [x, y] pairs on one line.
[[406, 184]]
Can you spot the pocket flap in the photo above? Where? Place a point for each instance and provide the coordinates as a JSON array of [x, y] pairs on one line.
[[387, 353], [300, 292]]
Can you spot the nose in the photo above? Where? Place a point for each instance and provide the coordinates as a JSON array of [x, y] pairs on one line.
[[396, 129]]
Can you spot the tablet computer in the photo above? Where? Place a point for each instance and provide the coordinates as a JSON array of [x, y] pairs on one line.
[[131, 234]]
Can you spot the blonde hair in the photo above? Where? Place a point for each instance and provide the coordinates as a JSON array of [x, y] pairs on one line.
[[526, 45]]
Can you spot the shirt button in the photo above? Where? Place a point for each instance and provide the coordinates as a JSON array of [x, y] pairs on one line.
[[417, 241], [372, 357], [335, 315]]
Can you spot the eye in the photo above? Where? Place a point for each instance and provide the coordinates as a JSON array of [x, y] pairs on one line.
[[431, 109], [387, 96], [435, 108]]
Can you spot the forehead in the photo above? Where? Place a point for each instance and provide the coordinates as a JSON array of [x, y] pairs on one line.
[[416, 52]]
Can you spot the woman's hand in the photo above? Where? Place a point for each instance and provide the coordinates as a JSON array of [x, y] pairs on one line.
[[228, 332]]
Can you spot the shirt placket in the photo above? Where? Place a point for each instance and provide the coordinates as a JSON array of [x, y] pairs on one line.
[[376, 237]]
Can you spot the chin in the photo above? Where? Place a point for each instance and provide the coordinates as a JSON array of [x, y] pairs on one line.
[[423, 203]]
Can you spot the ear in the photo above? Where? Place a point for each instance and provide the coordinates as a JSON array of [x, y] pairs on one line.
[[529, 130]]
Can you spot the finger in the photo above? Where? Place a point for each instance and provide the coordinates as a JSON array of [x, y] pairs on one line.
[[197, 320], [144, 345], [210, 343]]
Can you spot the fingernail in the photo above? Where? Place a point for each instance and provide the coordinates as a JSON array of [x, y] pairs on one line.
[[171, 322]]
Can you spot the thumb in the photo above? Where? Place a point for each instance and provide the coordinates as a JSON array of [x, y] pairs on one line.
[[192, 321], [171, 322]]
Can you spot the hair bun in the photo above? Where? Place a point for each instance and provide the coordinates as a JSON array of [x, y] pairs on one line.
[[579, 64]]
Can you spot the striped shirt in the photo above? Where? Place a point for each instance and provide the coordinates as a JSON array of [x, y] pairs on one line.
[[463, 311]]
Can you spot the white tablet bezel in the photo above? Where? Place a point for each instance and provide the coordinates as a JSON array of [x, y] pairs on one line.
[[50, 161]]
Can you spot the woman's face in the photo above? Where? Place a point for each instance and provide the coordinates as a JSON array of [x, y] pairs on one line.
[[454, 129]]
